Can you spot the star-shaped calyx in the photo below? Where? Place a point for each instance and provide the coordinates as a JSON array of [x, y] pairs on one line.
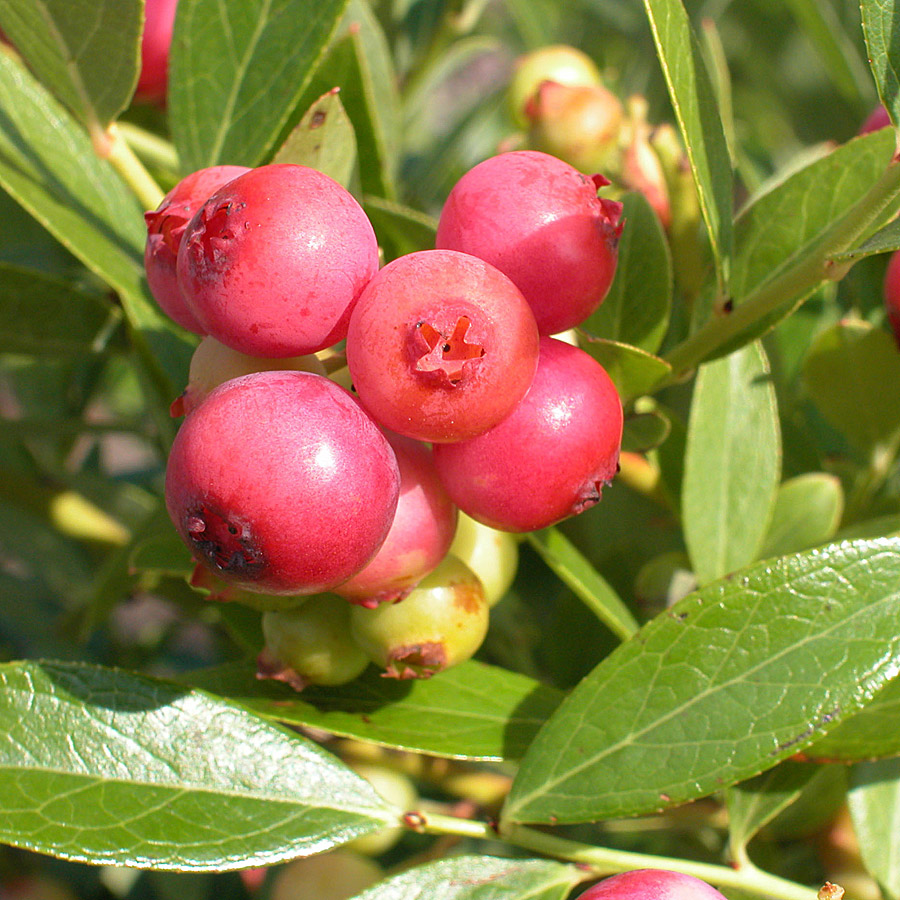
[[444, 355]]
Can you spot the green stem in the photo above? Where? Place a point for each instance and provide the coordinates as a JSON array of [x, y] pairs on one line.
[[794, 282], [132, 170], [151, 148], [605, 861]]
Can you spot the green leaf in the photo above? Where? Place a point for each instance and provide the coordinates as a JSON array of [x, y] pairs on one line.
[[879, 21], [400, 229], [237, 71], [693, 100], [645, 431], [732, 463], [472, 711], [887, 240], [874, 801], [323, 140], [752, 804], [87, 52], [873, 733], [162, 554], [359, 62], [807, 513], [48, 165], [722, 686], [633, 371], [577, 573], [852, 374], [479, 878], [103, 766], [636, 309], [795, 218], [44, 315]]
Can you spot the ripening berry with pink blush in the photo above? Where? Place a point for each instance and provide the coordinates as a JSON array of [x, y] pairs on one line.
[[156, 39], [420, 536], [165, 226], [441, 346], [280, 483], [550, 458], [651, 884], [272, 263], [539, 221], [892, 294]]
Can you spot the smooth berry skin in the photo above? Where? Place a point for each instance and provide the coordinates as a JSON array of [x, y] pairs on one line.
[[441, 623], [272, 264], [310, 644], [165, 226], [420, 535], [156, 39], [550, 458], [441, 346], [540, 222], [651, 884], [892, 294], [877, 119], [281, 484]]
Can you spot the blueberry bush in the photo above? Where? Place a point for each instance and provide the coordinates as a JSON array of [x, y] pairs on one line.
[[689, 663]]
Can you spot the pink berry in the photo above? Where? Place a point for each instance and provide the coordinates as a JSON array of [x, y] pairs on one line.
[[159, 17], [165, 226], [876, 120], [540, 222], [892, 294], [441, 346], [281, 484], [550, 458], [273, 262], [420, 535], [651, 884]]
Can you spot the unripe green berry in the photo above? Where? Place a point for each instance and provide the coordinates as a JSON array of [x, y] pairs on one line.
[[399, 791], [335, 875], [441, 623], [492, 555], [311, 644]]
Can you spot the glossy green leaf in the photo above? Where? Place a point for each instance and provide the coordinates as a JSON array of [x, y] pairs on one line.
[[693, 100], [795, 219], [103, 766], [359, 62], [479, 878], [633, 371], [807, 513], [728, 682], [874, 801], [237, 71], [575, 571], [636, 309], [48, 165], [752, 804], [87, 52], [732, 463], [323, 140], [852, 373], [879, 21], [873, 733], [44, 315], [472, 711], [789, 235]]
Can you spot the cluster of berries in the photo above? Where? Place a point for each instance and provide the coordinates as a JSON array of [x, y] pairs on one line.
[[284, 484]]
